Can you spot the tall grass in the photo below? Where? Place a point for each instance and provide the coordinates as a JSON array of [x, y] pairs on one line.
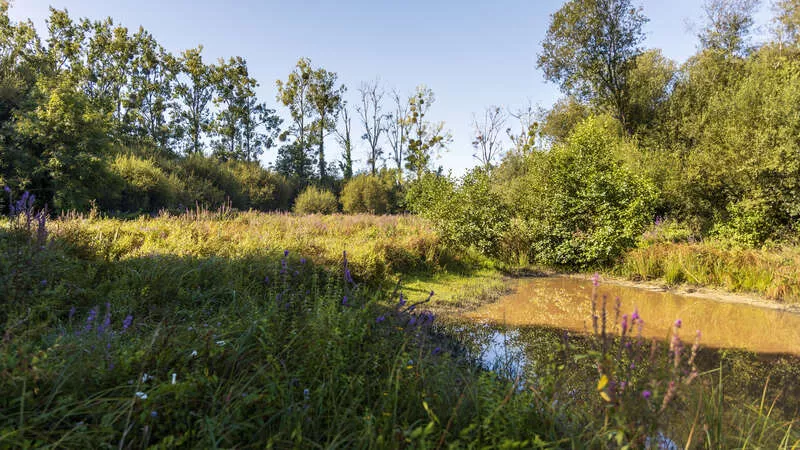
[[774, 273]]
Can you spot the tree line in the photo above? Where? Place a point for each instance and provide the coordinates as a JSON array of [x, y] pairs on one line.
[[709, 148], [95, 112]]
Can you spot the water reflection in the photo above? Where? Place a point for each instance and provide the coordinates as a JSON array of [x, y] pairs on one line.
[[565, 303]]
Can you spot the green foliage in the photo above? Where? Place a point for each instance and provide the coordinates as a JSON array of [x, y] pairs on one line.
[[581, 204], [264, 189], [147, 187], [315, 201], [469, 214], [590, 48], [425, 139], [365, 194]]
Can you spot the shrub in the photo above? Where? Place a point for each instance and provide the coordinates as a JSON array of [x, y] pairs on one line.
[[750, 223], [583, 205], [365, 194], [263, 189], [469, 214], [147, 187], [209, 182], [315, 201]]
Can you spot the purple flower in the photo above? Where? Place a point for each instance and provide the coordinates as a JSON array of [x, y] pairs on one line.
[[127, 322], [402, 301], [302, 260], [380, 319], [635, 315], [106, 325], [285, 253], [678, 323], [266, 280], [7, 189], [646, 394], [596, 279], [71, 313], [347, 276], [44, 282], [437, 350], [90, 319], [344, 301]]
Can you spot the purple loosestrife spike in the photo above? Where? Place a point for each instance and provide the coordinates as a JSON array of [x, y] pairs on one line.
[[646, 394], [106, 326], [89, 319], [344, 301], [127, 322], [596, 279]]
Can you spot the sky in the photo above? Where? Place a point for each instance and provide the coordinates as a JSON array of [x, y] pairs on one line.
[[472, 54]]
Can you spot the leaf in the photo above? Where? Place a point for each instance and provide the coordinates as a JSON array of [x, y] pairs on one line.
[[602, 383]]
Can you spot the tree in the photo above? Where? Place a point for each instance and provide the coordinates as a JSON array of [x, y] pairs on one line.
[[528, 118], [259, 127], [194, 90], [590, 48], [371, 113], [397, 131], [425, 139], [244, 126], [326, 99], [487, 135], [343, 135], [651, 82], [787, 21], [294, 93], [150, 94], [109, 52], [728, 24]]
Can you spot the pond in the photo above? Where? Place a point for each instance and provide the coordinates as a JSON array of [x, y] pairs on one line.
[[565, 302], [521, 333]]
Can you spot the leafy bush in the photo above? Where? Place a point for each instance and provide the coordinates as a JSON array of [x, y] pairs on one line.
[[263, 189], [315, 201], [209, 182], [365, 194], [469, 214], [582, 205], [750, 223], [147, 187]]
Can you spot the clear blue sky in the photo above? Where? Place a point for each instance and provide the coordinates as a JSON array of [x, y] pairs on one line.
[[471, 53]]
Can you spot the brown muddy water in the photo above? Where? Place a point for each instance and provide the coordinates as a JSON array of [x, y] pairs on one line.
[[755, 349], [566, 303]]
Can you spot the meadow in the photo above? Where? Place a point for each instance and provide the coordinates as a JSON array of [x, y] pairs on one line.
[[270, 330]]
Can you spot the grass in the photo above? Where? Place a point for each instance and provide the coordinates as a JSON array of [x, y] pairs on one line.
[[774, 273], [255, 330]]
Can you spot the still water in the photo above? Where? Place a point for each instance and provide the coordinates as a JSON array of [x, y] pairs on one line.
[[565, 303]]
